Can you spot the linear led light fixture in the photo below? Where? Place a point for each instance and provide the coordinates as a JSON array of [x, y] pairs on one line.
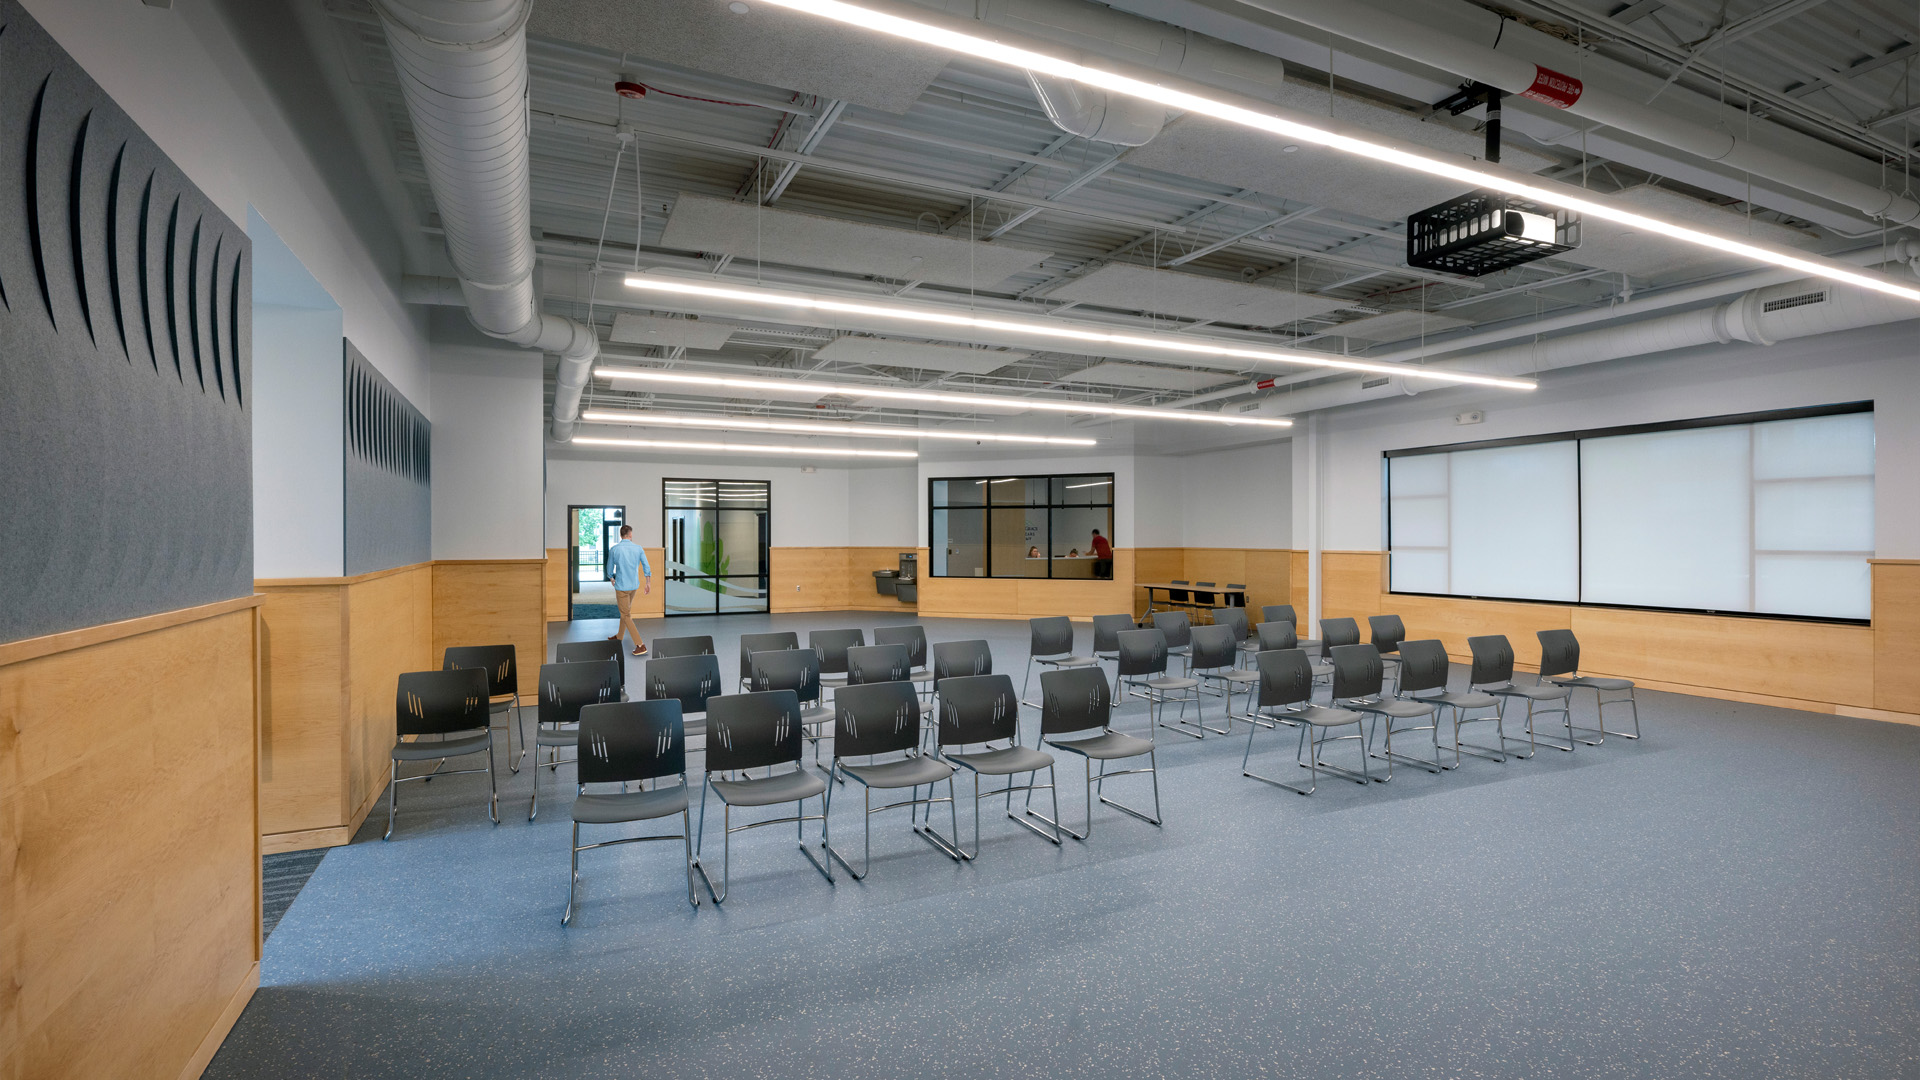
[[924, 33], [1096, 483], [745, 448], [809, 427], [1167, 343], [976, 401]]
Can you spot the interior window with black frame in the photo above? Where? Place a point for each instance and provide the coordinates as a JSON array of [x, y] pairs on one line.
[[1021, 526]]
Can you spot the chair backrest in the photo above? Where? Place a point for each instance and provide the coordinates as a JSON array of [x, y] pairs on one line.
[[691, 679], [832, 645], [877, 664], [1074, 699], [1214, 646], [682, 646], [1423, 665], [1050, 637], [1280, 613], [590, 651], [567, 688], [913, 636], [631, 740], [1388, 632], [1179, 596], [496, 660], [1233, 618], [1143, 652], [1357, 672], [875, 718], [1559, 653], [1286, 677], [1335, 632], [961, 658], [1203, 598], [753, 643], [752, 731], [437, 702], [977, 709], [1106, 629], [1492, 659], [1237, 596], [1176, 625], [797, 670], [1277, 636]]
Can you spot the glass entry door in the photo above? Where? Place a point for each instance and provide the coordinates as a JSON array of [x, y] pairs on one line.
[[716, 534]]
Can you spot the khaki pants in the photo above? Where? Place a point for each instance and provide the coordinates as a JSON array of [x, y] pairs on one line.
[[625, 600]]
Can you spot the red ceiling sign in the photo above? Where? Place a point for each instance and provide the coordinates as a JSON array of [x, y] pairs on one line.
[[1557, 90]]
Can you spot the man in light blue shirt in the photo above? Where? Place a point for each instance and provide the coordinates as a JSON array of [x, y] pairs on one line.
[[629, 562]]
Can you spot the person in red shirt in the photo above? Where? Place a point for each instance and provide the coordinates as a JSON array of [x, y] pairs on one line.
[[1102, 556]]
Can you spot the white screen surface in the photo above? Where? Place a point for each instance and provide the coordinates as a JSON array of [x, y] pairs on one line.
[[1666, 519], [1500, 522]]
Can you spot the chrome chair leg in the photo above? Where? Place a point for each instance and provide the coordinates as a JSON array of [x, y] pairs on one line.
[[493, 787], [393, 792], [573, 874], [1629, 701]]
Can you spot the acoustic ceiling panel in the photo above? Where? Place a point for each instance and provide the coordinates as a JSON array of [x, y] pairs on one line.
[[1229, 154], [1396, 326], [654, 330], [1148, 378], [885, 352], [766, 46], [1166, 292], [748, 232], [1610, 246]]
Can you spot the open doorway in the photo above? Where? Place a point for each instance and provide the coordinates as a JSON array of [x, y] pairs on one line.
[[591, 531]]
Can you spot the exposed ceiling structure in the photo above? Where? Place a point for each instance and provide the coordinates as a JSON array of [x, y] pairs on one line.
[[773, 148]]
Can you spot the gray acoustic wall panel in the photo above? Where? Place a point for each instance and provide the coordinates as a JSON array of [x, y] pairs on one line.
[[125, 335], [389, 472]]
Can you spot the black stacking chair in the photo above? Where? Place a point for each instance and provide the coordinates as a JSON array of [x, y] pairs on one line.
[[1215, 653], [1178, 628], [1458, 703], [1143, 671], [565, 689], [1560, 665], [594, 651], [1285, 613], [960, 658], [753, 643], [1106, 641], [1279, 637], [876, 719], [664, 647], [832, 646], [1236, 594], [1387, 632], [1360, 680], [1179, 597], [1203, 601], [1075, 701], [1286, 692], [1333, 634], [1236, 619], [630, 742], [452, 707], [1493, 674], [914, 637], [878, 664], [1050, 644], [797, 670], [980, 710], [757, 731], [690, 680], [503, 687]]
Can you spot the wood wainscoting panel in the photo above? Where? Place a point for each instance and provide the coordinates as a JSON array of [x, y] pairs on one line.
[[130, 842], [1300, 581], [1454, 621], [861, 563], [1820, 662], [807, 578], [554, 584], [1350, 586], [969, 597], [497, 602], [390, 630], [1896, 635], [303, 707], [1155, 565]]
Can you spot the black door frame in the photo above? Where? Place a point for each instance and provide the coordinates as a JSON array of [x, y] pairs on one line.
[[573, 544]]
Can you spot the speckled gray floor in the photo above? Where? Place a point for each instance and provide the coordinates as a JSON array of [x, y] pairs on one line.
[[1738, 895]]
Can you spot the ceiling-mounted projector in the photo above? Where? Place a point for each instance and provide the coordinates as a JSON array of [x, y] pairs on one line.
[[1485, 231]]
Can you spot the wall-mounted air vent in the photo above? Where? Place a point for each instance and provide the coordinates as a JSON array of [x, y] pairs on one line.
[[1818, 296], [1368, 384]]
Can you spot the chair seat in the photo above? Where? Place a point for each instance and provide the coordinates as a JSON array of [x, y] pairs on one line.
[[428, 749], [1321, 716], [833, 678], [1105, 746], [1465, 699], [1532, 693], [547, 736], [1240, 675], [1014, 759], [768, 790], [1596, 682], [1398, 707], [920, 674], [503, 704], [1308, 644], [1172, 682], [1321, 669], [1068, 661], [816, 716], [617, 807], [907, 772]]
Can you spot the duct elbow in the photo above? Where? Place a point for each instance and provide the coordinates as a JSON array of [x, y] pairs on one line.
[[1097, 114]]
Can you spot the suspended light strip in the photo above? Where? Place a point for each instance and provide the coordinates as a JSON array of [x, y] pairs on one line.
[[940, 37], [974, 401], [745, 448], [661, 283], [873, 431], [1097, 483]]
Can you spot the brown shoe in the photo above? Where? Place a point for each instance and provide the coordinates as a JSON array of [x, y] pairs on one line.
[[613, 637], [640, 650]]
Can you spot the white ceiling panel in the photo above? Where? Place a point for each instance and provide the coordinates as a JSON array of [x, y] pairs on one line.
[[1396, 326], [1148, 378], [886, 352], [1167, 292], [1611, 246], [653, 330], [747, 232]]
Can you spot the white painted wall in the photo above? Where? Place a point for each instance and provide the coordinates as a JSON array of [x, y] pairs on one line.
[[809, 509], [488, 448], [182, 76], [880, 507], [298, 472]]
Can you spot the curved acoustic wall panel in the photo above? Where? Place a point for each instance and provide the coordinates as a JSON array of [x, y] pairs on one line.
[[125, 435], [388, 474]]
